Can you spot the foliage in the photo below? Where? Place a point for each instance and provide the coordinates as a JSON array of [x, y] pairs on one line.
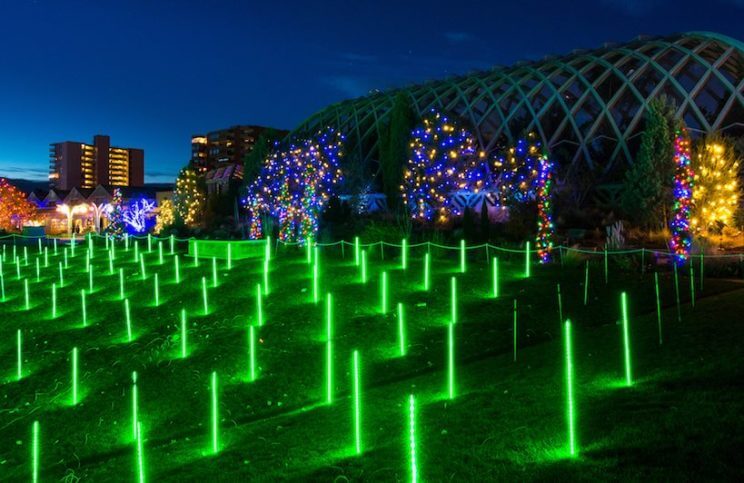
[[165, 217], [648, 182], [716, 191], [443, 160], [295, 185], [394, 147], [15, 208], [189, 198], [681, 241], [253, 161], [115, 227]]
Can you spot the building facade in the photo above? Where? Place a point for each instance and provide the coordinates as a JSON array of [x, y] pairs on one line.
[[81, 165], [587, 107], [225, 146]]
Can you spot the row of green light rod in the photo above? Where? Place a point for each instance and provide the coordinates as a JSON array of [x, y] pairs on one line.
[[570, 417], [357, 405], [462, 256], [495, 277], [427, 271], [404, 254]]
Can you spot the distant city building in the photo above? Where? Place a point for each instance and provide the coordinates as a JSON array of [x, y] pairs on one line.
[[81, 165], [225, 146]]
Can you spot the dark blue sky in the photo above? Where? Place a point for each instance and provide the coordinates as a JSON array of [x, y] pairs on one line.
[[151, 73]]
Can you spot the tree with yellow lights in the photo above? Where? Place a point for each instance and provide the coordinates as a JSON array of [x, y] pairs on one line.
[[15, 209], [715, 195], [165, 216], [189, 198]]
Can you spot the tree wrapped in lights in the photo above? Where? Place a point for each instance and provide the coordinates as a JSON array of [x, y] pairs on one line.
[[15, 209], [138, 214], [525, 173], [188, 198], [715, 194], [443, 160], [295, 184], [165, 216], [684, 180], [115, 227]]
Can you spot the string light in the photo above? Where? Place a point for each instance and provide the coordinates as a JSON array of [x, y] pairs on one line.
[[681, 241], [295, 184], [715, 192]]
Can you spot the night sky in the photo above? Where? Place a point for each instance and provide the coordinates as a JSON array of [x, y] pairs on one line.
[[151, 74]]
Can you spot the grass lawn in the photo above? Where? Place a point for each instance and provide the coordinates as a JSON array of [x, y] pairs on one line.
[[681, 419]]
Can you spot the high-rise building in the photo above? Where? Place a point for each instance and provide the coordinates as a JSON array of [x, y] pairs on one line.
[[81, 165], [225, 146]]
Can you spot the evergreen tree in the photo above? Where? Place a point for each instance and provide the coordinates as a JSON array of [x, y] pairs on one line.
[[256, 156], [647, 187], [393, 145]]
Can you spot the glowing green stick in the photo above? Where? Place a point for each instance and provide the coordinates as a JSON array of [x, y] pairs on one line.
[[160, 253], [19, 355], [357, 406], [72, 245], [55, 246], [527, 260], [495, 265], [692, 285], [196, 253], [214, 272], [401, 330], [462, 256], [404, 254], [66, 258], [18, 267], [74, 376], [35, 452], [215, 428], [266, 277], [383, 293], [2, 286], [177, 269], [136, 251], [26, 297], [38, 269], [252, 352], [46, 255], [329, 350], [54, 300], [121, 283], [259, 305], [184, 335], [560, 304], [128, 320], [453, 300], [451, 360], [83, 307], [142, 266], [316, 287], [25, 256], [111, 264], [586, 283], [267, 254], [626, 339], [140, 454], [676, 291], [427, 271], [309, 251], [172, 245], [135, 406], [157, 290], [356, 251], [229, 256], [204, 295], [149, 243], [39, 240], [514, 329], [412, 437], [364, 266], [658, 305], [569, 388], [61, 275]]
